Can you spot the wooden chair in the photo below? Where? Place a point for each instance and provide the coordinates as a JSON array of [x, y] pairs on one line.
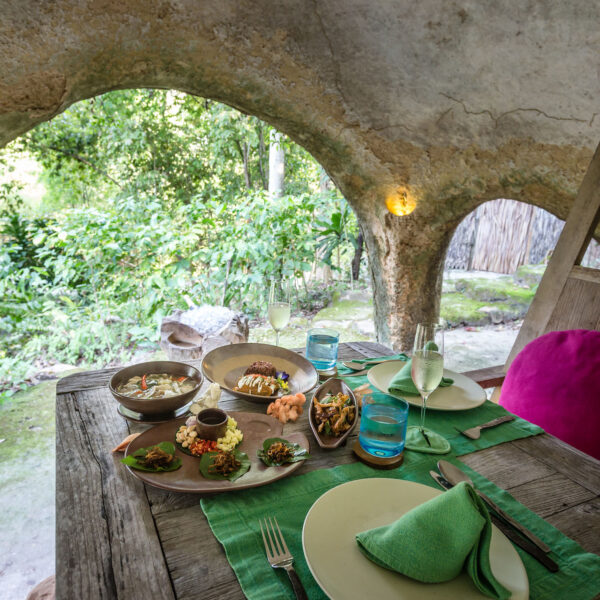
[[568, 296]]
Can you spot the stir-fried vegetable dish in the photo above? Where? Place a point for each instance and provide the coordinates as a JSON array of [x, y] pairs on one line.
[[279, 453], [156, 385], [224, 463], [160, 457], [334, 415], [155, 457]]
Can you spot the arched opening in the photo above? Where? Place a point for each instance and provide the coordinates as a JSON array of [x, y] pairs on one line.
[[495, 260], [157, 199], [135, 201]]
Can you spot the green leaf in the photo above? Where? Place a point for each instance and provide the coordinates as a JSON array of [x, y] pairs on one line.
[[208, 458], [132, 459], [299, 453]]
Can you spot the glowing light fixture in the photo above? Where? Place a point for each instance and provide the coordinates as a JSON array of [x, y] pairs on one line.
[[400, 202]]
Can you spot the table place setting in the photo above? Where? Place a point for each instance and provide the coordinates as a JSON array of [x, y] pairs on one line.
[[413, 539], [407, 520], [321, 513]]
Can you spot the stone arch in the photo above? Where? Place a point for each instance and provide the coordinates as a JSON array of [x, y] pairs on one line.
[[452, 105]]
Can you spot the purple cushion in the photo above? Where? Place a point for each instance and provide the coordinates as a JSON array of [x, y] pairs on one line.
[[554, 382]]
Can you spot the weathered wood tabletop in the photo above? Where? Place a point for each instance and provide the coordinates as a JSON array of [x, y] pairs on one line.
[[118, 538]]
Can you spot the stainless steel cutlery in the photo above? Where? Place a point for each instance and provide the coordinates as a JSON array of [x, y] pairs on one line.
[[474, 433], [451, 475], [278, 555]]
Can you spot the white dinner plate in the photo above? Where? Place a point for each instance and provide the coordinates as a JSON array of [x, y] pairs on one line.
[[344, 573], [463, 394]]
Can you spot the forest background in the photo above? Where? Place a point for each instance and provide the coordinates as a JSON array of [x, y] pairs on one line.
[[152, 195]]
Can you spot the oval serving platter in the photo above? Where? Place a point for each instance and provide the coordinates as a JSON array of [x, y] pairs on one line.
[[226, 364], [256, 428], [331, 387]]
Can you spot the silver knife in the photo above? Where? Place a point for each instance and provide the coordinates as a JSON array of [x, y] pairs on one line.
[[454, 475], [357, 374], [508, 531]]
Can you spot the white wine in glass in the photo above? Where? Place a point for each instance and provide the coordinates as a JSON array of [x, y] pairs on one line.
[[278, 311], [427, 372]]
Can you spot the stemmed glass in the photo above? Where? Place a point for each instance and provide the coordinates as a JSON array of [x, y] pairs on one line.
[[427, 371], [279, 306]]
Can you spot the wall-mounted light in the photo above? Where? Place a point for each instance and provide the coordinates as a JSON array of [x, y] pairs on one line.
[[400, 202]]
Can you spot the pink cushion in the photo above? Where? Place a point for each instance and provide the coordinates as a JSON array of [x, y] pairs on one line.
[[554, 382]]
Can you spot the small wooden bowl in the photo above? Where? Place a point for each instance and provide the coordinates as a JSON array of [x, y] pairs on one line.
[[211, 423], [331, 387]]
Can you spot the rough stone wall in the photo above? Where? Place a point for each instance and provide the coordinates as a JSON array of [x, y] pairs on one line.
[[454, 103]]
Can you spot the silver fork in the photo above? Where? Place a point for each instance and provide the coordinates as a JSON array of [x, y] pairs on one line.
[[279, 556]]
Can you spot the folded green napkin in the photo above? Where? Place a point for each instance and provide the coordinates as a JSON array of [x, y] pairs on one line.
[[402, 382], [433, 542]]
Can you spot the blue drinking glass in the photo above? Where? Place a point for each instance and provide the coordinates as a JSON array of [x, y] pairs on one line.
[[383, 428], [322, 348]]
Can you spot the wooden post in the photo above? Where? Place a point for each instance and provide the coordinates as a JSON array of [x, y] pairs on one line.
[[570, 248]]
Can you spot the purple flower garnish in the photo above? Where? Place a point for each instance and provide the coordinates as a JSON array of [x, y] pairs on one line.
[[283, 375]]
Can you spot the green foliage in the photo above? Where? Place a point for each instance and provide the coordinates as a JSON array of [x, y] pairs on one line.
[[152, 196], [166, 144], [337, 230]]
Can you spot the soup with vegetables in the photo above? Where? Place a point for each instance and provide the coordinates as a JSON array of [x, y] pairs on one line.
[[156, 385]]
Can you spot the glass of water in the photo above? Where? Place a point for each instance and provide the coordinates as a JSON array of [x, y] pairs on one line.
[[322, 348], [383, 428]]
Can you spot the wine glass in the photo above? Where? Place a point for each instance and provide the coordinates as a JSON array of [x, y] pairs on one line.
[[278, 310], [427, 371]]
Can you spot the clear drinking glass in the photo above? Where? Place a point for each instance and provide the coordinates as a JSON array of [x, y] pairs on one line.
[[383, 428], [278, 310], [427, 371], [322, 347]]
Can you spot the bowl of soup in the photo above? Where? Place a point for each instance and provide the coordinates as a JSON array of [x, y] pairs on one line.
[[156, 387]]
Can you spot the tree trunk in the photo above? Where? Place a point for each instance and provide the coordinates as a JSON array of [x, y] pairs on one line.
[[244, 151], [357, 256], [261, 155], [276, 164]]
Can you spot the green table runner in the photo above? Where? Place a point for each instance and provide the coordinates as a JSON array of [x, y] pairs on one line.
[[234, 519], [450, 423]]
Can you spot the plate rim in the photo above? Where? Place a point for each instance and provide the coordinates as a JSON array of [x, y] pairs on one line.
[[435, 492], [278, 472], [253, 397], [416, 400]]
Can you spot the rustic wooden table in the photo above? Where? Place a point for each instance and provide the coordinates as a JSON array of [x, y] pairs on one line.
[[117, 538]]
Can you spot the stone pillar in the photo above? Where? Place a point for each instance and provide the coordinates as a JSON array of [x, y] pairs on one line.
[[406, 256]]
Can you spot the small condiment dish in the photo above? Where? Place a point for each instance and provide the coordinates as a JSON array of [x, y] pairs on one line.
[[211, 423]]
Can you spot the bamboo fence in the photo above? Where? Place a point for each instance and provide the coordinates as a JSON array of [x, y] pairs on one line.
[[502, 235]]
